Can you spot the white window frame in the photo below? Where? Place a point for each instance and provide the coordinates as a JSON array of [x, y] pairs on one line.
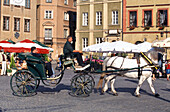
[[66, 16], [99, 40], [6, 23], [49, 37], [115, 17], [65, 2], [48, 1], [6, 2], [84, 42], [17, 24], [27, 25], [85, 19], [48, 15], [74, 3], [65, 33], [98, 18], [27, 3]]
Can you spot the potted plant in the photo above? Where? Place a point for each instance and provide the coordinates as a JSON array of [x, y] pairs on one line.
[[146, 27], [161, 27], [12, 65], [131, 27]]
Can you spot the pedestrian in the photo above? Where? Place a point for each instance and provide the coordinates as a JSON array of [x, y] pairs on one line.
[[168, 69], [3, 59]]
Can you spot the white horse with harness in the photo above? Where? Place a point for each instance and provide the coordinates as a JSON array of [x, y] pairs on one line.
[[142, 70]]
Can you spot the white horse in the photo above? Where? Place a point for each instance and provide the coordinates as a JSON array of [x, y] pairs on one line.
[[113, 63]]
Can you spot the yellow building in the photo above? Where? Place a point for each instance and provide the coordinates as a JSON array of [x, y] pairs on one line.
[[56, 19], [146, 20], [18, 19], [98, 21]]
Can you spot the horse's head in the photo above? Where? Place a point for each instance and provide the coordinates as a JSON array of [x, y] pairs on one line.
[[153, 54]]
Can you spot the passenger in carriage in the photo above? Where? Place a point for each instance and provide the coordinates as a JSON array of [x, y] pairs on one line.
[[48, 65], [24, 64], [70, 52]]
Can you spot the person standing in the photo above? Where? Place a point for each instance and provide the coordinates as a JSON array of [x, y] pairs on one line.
[[168, 69], [70, 52], [3, 59]]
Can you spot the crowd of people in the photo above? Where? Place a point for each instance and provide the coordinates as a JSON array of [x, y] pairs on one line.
[[9, 61]]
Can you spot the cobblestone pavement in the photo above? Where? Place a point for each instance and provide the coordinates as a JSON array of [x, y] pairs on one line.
[[58, 99]]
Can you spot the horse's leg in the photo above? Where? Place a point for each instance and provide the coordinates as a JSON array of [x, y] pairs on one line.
[[107, 79], [112, 86], [152, 87], [141, 80]]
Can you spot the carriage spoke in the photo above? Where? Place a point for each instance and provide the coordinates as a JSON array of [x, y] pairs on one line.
[[26, 90]]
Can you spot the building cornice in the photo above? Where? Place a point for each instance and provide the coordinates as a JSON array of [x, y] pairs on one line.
[[152, 5], [101, 2], [58, 6]]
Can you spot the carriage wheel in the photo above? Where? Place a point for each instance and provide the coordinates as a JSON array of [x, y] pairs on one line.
[[23, 83], [82, 85], [53, 82]]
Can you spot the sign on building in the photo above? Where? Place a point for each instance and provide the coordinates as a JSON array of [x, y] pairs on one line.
[[18, 2]]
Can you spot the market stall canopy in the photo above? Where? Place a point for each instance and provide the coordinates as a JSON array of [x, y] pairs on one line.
[[118, 46], [22, 46], [26, 45], [50, 49], [8, 47], [144, 47], [163, 43]]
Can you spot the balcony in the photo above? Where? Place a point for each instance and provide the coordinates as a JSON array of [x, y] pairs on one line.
[[52, 41]]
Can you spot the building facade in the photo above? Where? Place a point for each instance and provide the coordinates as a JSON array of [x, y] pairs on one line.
[[145, 20], [16, 20], [98, 21], [56, 19]]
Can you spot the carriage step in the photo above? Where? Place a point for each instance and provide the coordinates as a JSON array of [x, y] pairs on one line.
[[83, 68]]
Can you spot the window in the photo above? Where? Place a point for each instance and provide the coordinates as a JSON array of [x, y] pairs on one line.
[[74, 3], [27, 3], [162, 18], [133, 18], [65, 2], [147, 18], [114, 17], [98, 40], [48, 1], [66, 16], [6, 23], [16, 24], [48, 36], [98, 18], [27, 25], [65, 33], [85, 19], [48, 14], [6, 2], [85, 42]]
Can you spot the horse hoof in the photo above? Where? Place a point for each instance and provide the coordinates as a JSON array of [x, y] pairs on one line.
[[102, 92], [137, 96], [157, 95], [115, 94]]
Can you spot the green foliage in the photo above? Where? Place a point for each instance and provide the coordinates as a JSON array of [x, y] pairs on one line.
[[12, 64], [9, 70]]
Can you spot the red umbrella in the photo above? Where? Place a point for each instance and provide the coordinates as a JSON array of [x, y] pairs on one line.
[[26, 45], [22, 46]]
